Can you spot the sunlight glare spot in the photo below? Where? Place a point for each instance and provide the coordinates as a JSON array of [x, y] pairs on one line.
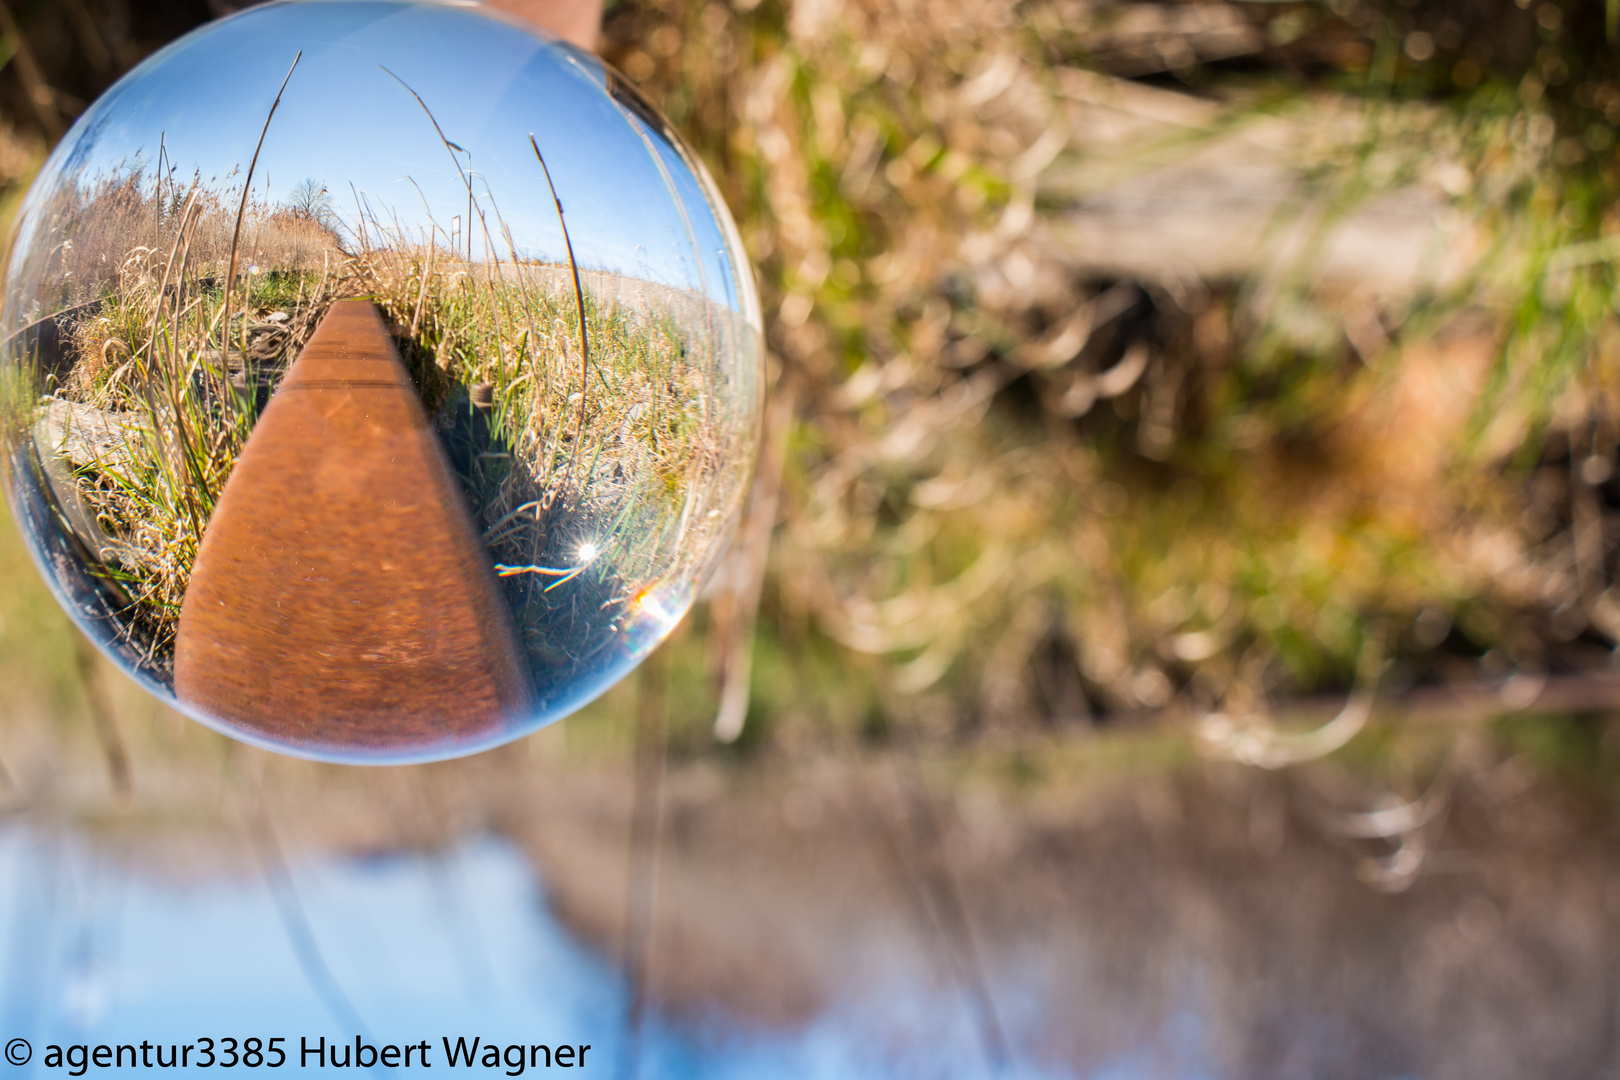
[[651, 604]]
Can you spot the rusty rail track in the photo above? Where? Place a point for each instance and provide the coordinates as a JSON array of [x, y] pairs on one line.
[[341, 599]]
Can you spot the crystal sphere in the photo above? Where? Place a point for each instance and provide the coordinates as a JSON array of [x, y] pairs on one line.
[[380, 380]]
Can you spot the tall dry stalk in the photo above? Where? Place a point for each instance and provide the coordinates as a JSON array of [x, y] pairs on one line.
[[236, 232]]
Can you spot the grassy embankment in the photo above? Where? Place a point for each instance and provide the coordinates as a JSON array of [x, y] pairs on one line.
[[617, 459]]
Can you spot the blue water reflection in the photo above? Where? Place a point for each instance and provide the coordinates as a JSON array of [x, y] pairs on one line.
[[417, 946]]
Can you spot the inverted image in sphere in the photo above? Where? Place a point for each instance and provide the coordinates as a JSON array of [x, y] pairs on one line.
[[380, 380]]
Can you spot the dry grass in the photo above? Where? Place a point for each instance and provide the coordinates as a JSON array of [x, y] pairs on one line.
[[147, 362], [991, 516], [113, 225], [1226, 489], [625, 482], [623, 485]]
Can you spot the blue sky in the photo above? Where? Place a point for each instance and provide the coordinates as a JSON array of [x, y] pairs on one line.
[[345, 121]]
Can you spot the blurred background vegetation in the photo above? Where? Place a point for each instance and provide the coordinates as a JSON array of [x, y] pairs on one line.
[[1136, 361], [1165, 394], [1168, 360]]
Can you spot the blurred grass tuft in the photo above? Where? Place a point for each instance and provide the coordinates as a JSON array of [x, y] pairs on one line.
[[1037, 483]]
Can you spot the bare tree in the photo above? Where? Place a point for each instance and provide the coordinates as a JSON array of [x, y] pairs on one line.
[[310, 200]]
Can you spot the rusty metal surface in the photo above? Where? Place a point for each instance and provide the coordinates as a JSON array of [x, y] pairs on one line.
[[341, 599]]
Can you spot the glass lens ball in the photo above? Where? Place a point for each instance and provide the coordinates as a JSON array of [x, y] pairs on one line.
[[380, 380]]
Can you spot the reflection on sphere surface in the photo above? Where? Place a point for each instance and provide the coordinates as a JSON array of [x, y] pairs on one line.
[[380, 380]]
